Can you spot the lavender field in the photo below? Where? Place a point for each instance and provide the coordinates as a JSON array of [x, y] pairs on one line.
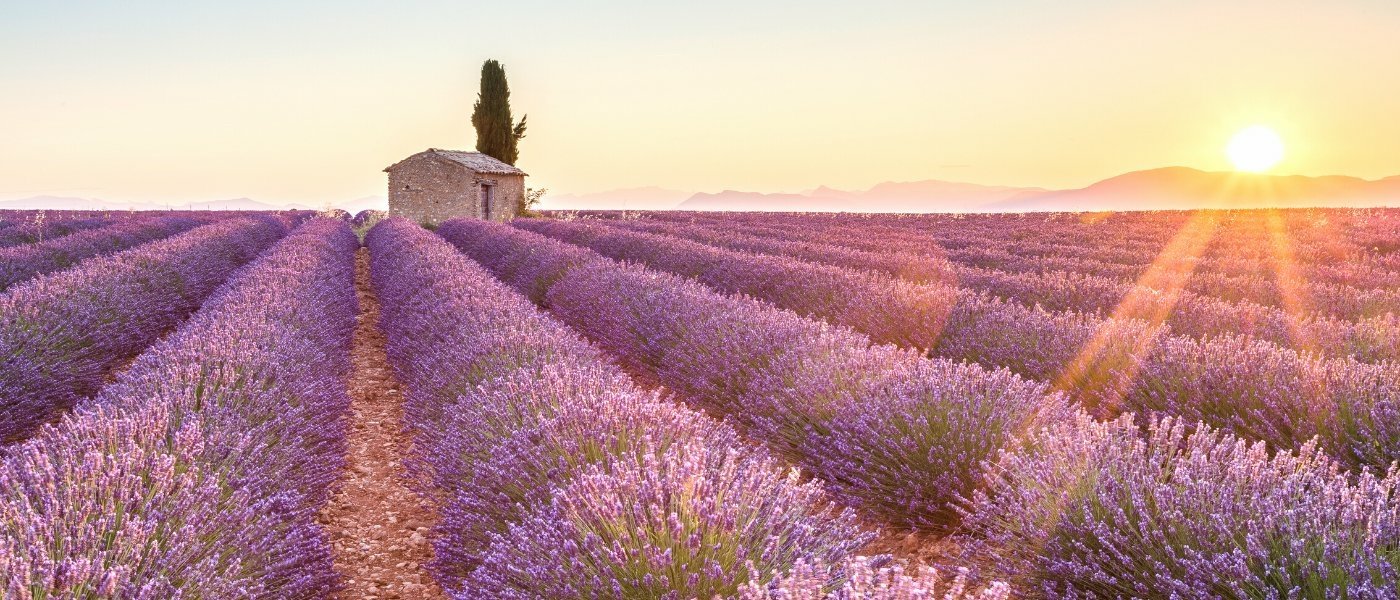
[[678, 405]]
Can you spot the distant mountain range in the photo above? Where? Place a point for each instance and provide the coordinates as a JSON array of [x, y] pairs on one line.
[[913, 196], [1156, 189], [1169, 188], [1184, 188]]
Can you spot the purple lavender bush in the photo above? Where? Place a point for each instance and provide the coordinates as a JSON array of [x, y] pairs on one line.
[[49, 228], [886, 428], [861, 578], [444, 329], [62, 334], [518, 263], [1086, 270], [1100, 510], [887, 309], [578, 423], [1263, 392], [21, 263], [680, 523], [904, 265], [200, 471], [509, 408], [961, 325], [1042, 344]]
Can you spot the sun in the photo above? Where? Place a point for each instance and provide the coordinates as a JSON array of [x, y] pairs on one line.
[[1255, 149]]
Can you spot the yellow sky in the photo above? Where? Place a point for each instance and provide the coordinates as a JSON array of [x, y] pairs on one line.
[[306, 102]]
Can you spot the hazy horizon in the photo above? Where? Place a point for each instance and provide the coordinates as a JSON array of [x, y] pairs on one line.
[[1169, 188]]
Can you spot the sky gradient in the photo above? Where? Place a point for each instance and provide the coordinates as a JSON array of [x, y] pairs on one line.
[[307, 101]]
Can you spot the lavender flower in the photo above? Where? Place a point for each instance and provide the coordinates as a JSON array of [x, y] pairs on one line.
[[886, 428], [60, 335], [200, 471], [508, 407], [1099, 510], [1256, 388], [861, 578], [37, 226], [20, 263], [887, 309], [681, 523]]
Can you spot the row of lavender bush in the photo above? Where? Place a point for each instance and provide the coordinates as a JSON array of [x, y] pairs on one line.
[[1371, 338], [40, 230], [21, 263], [1108, 510], [887, 429], [990, 242], [200, 471], [1082, 508], [1335, 246], [1188, 313], [1277, 282], [919, 268], [1349, 247], [541, 454], [1274, 282], [889, 310], [966, 325], [1253, 387], [62, 334]]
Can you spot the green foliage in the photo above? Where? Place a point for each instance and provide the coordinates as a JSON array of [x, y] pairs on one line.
[[369, 222], [525, 204], [496, 134]]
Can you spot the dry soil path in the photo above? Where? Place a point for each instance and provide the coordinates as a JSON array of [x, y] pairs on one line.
[[378, 526]]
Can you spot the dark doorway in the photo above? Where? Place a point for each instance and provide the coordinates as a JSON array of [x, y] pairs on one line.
[[487, 196]]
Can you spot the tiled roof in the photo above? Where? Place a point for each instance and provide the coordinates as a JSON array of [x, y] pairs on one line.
[[475, 161]]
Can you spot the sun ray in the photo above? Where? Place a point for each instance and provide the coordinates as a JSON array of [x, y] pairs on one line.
[[1105, 367], [1291, 283]]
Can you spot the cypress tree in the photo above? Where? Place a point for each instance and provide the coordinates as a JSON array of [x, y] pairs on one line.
[[496, 136]]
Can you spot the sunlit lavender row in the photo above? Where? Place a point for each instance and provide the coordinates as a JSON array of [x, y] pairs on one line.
[[19, 230], [889, 310], [1324, 244], [541, 453], [1108, 510], [1266, 258], [888, 429], [20, 263], [62, 334], [1336, 538], [1255, 388], [685, 406], [198, 473], [1197, 315]]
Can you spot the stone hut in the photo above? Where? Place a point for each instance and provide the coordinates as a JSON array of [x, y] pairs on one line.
[[436, 185]]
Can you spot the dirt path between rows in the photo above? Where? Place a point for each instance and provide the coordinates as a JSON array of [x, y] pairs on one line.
[[378, 526]]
